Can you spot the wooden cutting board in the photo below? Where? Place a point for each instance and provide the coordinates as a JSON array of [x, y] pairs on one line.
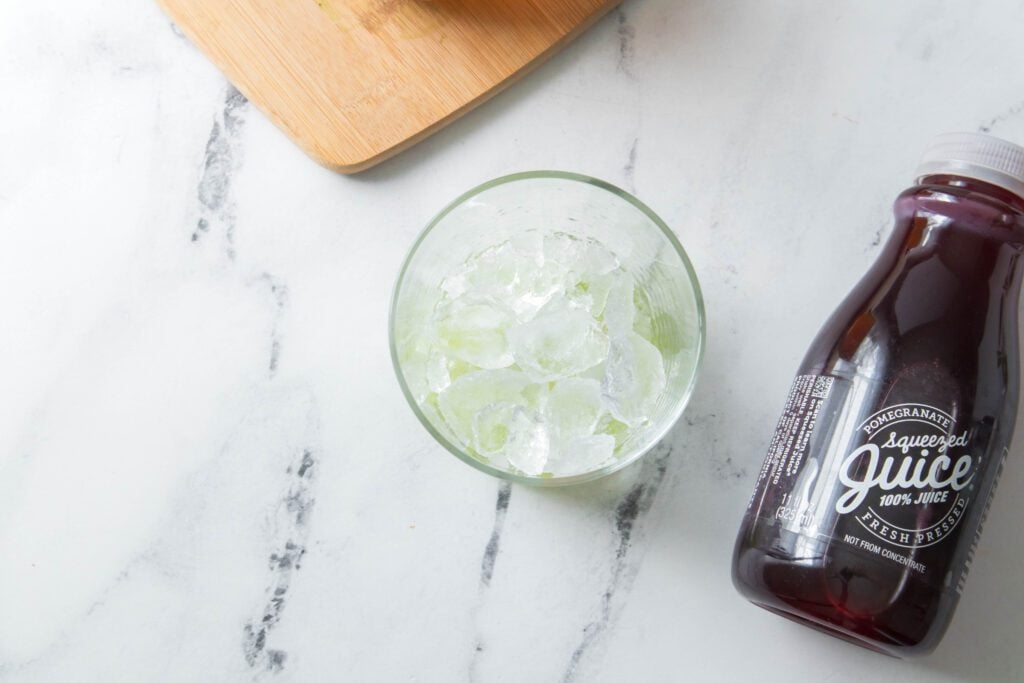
[[353, 82]]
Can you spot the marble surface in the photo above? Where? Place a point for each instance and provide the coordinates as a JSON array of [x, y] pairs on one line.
[[207, 470]]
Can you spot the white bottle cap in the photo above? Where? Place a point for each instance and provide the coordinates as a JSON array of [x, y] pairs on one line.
[[978, 156]]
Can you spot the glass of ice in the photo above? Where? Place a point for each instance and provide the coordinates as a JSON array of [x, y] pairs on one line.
[[547, 328]]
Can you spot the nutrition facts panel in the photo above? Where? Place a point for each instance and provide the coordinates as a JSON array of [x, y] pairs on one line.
[[793, 433]]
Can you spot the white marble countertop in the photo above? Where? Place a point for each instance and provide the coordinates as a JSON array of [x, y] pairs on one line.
[[207, 469]]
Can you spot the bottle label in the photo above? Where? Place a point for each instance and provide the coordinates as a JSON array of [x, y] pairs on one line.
[[896, 482], [789, 445], [911, 459]]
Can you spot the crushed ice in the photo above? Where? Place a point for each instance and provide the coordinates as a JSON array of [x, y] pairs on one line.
[[540, 355]]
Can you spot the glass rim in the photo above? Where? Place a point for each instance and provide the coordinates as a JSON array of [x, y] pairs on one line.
[[681, 402]]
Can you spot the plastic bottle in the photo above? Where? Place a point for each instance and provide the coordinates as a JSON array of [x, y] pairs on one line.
[[866, 513]]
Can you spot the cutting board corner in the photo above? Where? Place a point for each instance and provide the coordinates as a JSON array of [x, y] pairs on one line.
[[354, 82]]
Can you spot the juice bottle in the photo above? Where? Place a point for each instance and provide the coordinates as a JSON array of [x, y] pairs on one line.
[[867, 511]]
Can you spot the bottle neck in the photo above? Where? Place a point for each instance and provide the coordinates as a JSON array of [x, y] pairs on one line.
[[957, 238], [974, 185]]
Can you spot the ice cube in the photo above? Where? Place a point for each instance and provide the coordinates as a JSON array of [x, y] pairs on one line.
[[613, 428], [438, 376], [634, 379], [476, 391], [673, 334], [595, 373], [595, 260], [590, 292], [573, 408], [579, 255], [563, 248], [528, 443], [560, 342], [643, 320], [620, 309], [536, 288], [515, 274], [583, 454], [491, 428], [529, 244], [475, 331], [495, 270], [454, 285]]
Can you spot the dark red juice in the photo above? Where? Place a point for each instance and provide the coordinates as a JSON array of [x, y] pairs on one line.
[[870, 502]]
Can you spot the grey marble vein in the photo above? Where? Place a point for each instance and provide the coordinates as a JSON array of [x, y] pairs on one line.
[[627, 44], [176, 30], [494, 542], [876, 238], [279, 292], [220, 161], [487, 563], [1011, 112], [283, 563], [629, 170], [628, 514]]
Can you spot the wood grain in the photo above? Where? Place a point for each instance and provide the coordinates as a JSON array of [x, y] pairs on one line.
[[356, 81]]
